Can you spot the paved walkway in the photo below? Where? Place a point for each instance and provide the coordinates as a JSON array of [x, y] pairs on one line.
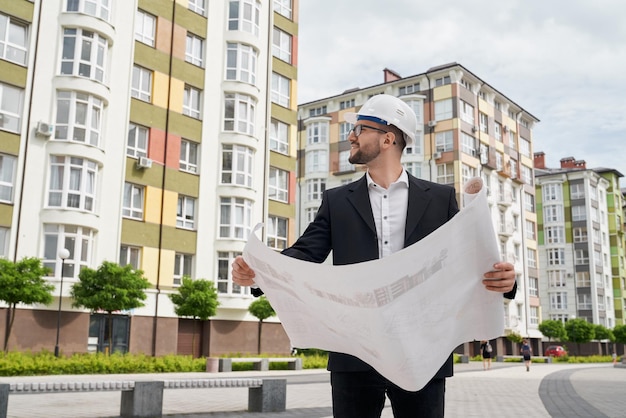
[[507, 390]]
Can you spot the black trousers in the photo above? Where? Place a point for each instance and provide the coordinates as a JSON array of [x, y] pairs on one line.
[[362, 395]]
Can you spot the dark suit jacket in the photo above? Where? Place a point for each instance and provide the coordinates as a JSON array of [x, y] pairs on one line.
[[345, 225]]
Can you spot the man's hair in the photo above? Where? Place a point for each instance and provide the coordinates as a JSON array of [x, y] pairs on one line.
[[399, 135]]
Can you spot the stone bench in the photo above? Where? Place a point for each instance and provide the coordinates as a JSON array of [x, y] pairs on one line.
[[519, 357], [259, 363], [145, 398]]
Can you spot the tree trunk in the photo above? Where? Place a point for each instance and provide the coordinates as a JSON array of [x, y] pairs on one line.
[[259, 342], [11, 319], [110, 319], [193, 339]]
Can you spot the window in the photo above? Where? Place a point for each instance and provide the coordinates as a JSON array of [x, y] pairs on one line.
[[577, 191], [277, 233], [532, 257], [241, 61], [142, 84], [444, 141], [442, 81], [583, 279], [137, 144], [552, 192], [581, 257], [281, 45], [78, 240], [524, 147], [309, 214], [5, 234], [191, 102], [556, 278], [580, 234], [145, 25], [237, 165], [244, 15], [239, 113], [317, 111], [194, 50], [553, 213], [197, 6], [344, 161], [558, 300], [235, 217], [445, 174], [410, 89], [579, 213], [556, 256], [483, 122], [497, 132], [315, 189], [278, 187], [183, 264], [283, 7], [468, 144], [584, 301], [13, 40], [533, 286], [499, 161], [317, 133], [186, 212], [527, 174], [225, 284], [443, 109], [130, 256], [344, 130], [281, 90], [467, 112], [132, 206], [316, 161], [345, 104], [97, 8], [529, 202], [414, 168], [418, 108], [11, 104], [188, 156], [72, 183], [534, 315], [555, 234], [78, 118], [84, 54], [279, 136], [7, 177]]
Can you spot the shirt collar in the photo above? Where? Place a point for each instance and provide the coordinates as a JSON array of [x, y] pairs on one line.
[[404, 178]]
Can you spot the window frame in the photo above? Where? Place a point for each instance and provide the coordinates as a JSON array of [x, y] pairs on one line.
[[189, 156], [72, 62], [130, 209], [9, 115], [140, 135], [192, 102], [278, 185], [194, 50], [78, 103], [12, 51], [61, 185], [186, 212]]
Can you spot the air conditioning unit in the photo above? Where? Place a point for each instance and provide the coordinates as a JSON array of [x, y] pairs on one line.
[[436, 155], [144, 162], [432, 123], [44, 129], [474, 128], [505, 129]]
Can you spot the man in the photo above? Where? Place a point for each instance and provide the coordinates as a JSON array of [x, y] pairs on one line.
[[377, 215]]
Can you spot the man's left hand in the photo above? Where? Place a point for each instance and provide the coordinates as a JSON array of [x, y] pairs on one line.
[[501, 278]]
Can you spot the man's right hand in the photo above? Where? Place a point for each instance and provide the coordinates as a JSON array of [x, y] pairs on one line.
[[242, 274]]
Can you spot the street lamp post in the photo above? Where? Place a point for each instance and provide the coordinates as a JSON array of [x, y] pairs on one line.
[[63, 254]]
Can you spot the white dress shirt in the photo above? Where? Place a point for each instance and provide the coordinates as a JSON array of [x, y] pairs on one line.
[[389, 207]]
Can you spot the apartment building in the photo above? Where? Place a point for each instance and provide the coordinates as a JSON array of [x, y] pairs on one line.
[[466, 128], [581, 242], [154, 133]]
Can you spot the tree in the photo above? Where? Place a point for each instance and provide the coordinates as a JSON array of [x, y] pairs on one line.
[[579, 331], [196, 299], [619, 332], [603, 333], [110, 288], [23, 282], [553, 329], [261, 309]]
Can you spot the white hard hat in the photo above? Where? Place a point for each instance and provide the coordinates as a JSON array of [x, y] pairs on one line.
[[387, 110]]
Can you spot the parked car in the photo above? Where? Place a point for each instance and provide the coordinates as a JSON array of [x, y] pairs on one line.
[[555, 351]]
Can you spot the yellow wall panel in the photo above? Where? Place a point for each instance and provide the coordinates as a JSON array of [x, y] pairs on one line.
[[167, 268], [159, 90], [148, 263], [176, 97], [443, 92], [153, 205], [170, 203]]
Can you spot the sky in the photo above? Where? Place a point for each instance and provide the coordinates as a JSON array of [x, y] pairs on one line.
[[563, 61]]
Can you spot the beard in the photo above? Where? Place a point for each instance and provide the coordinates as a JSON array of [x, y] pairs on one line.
[[363, 155]]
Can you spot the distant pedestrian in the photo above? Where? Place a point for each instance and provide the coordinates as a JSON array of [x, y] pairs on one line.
[[527, 352], [486, 349], [614, 357]]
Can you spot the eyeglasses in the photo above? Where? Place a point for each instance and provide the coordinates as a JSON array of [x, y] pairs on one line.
[[358, 128]]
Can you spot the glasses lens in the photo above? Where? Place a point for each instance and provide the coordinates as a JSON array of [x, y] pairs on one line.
[[357, 130]]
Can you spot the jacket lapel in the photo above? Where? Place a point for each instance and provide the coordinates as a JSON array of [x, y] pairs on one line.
[[418, 202], [360, 200]]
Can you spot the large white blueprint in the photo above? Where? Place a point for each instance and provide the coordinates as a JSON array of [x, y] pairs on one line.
[[403, 314]]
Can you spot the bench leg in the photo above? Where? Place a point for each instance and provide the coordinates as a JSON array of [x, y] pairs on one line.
[[270, 397], [263, 365], [225, 365], [4, 399], [295, 365], [145, 400]]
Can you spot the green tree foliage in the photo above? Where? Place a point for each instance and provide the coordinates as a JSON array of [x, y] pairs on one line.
[[261, 309], [514, 337], [603, 333], [553, 329], [619, 331], [579, 331], [110, 288], [23, 282], [196, 299]]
